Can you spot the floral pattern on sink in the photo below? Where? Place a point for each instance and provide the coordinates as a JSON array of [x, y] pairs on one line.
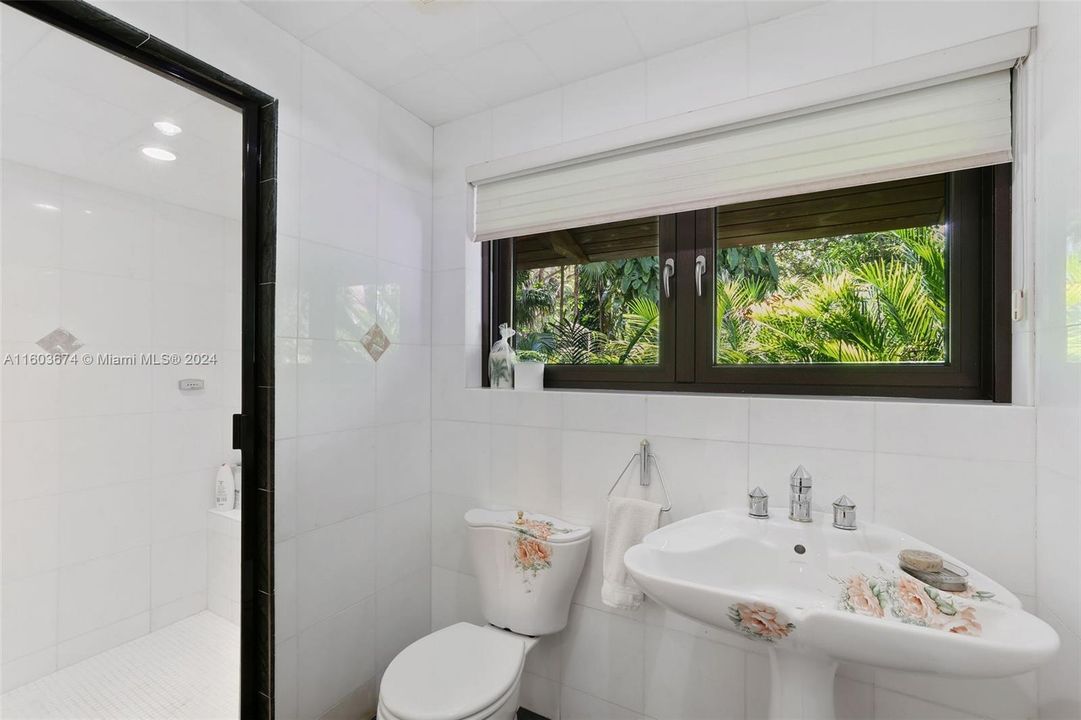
[[907, 600], [760, 621], [973, 594]]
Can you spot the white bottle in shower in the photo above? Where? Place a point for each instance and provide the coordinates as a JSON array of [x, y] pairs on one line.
[[224, 488], [237, 481]]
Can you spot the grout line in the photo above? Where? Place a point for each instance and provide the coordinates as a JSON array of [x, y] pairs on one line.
[[874, 462], [747, 479]]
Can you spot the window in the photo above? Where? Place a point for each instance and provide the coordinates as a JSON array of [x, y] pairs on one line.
[[892, 289], [590, 300]]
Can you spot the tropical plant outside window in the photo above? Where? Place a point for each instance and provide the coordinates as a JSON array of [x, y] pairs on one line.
[[856, 275], [850, 297], [865, 297], [589, 296]]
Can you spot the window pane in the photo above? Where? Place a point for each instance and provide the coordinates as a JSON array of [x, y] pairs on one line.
[[848, 276], [589, 296]]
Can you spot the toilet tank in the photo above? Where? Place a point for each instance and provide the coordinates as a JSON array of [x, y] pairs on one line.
[[527, 566]]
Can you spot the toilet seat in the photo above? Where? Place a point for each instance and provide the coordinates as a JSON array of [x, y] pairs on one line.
[[461, 672], [384, 714]]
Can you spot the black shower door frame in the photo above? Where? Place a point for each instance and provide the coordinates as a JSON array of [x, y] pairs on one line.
[[253, 428]]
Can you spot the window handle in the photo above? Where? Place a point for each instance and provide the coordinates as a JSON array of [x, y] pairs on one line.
[[699, 271], [669, 271]]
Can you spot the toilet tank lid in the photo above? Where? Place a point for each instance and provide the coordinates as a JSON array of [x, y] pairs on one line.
[[543, 527]]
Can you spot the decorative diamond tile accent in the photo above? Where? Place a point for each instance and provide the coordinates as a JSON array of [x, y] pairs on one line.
[[376, 342], [60, 341]]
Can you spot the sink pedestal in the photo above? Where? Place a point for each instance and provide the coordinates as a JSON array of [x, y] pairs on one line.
[[801, 686]]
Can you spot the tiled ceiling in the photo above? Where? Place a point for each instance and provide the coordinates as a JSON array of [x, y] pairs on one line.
[[444, 59]]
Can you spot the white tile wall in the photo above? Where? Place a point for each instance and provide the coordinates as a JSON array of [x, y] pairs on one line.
[[812, 423], [353, 465], [1008, 491], [332, 100], [402, 540], [403, 614], [338, 201], [1054, 155], [106, 493], [107, 590], [328, 580], [30, 614], [332, 654], [608, 412], [176, 566], [331, 487], [889, 456], [526, 466], [221, 564]]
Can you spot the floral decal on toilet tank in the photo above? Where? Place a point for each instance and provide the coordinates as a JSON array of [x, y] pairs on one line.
[[530, 550], [907, 600], [540, 529], [532, 555], [760, 621]]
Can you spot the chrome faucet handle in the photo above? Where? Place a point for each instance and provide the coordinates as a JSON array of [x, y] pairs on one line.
[[800, 480], [758, 503], [799, 496], [844, 513]]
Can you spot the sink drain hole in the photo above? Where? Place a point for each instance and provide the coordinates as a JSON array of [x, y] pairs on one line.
[[800, 549]]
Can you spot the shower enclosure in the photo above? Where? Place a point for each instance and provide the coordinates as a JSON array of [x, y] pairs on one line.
[[134, 386]]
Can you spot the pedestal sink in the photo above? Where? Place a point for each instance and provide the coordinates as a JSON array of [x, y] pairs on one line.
[[816, 596]]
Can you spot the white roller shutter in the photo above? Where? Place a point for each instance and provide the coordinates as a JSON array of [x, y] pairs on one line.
[[952, 126]]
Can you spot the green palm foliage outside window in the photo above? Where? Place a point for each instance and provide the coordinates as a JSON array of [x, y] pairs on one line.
[[858, 298], [872, 297], [596, 313]]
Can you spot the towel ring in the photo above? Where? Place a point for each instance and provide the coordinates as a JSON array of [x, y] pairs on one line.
[[645, 457]]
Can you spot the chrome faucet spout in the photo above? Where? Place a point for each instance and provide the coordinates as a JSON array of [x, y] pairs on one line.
[[799, 498]]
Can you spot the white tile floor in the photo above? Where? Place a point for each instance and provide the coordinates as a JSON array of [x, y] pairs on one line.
[[188, 670]]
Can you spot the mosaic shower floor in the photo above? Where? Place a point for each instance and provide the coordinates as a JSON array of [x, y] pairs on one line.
[[188, 670]]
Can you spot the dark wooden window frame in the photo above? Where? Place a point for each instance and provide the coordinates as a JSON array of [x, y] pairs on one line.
[[979, 337], [253, 428]]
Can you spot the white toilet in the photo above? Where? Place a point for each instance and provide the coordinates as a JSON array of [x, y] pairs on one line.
[[527, 566]]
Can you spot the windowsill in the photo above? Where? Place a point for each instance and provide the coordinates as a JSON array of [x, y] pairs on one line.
[[749, 396]]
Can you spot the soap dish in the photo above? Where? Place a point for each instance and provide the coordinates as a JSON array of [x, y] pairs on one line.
[[951, 578]]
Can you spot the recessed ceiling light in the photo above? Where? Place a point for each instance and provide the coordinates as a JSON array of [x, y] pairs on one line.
[[167, 128], [158, 153], [46, 206]]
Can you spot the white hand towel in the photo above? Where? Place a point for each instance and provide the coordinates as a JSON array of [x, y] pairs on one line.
[[629, 519]]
